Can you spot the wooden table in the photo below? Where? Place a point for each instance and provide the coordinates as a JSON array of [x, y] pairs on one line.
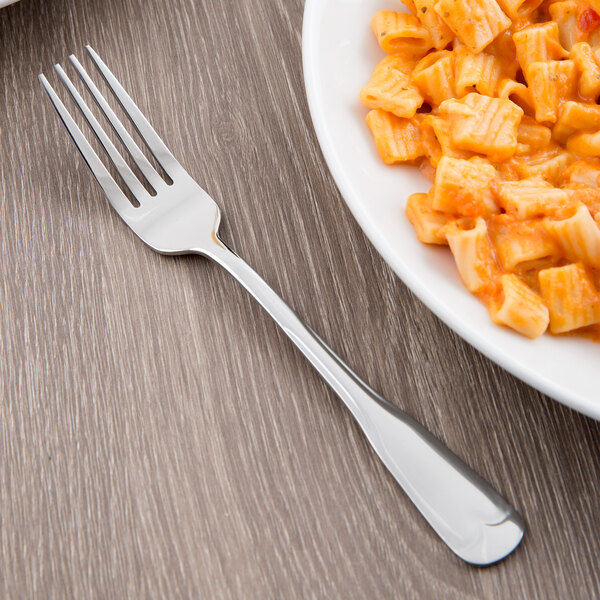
[[159, 436]]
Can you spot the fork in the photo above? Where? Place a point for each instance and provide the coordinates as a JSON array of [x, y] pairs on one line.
[[474, 521]]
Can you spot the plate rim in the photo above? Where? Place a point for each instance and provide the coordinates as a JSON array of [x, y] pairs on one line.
[[532, 377]]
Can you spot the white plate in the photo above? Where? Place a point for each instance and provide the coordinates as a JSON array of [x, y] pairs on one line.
[[339, 52], [7, 2]]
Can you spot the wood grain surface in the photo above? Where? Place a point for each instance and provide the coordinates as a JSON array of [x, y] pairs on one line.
[[159, 437]]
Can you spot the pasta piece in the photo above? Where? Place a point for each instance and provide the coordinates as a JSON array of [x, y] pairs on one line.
[[397, 62], [586, 195], [589, 69], [578, 236], [397, 140], [582, 172], [551, 83], [475, 22], [547, 164], [577, 22], [410, 5], [517, 9], [517, 93], [570, 296], [484, 125], [441, 34], [531, 136], [434, 76], [401, 33], [520, 308], [565, 15], [585, 144], [503, 46], [432, 147], [473, 254], [538, 43], [426, 221], [462, 187], [391, 89], [482, 72], [520, 242], [573, 117], [435, 135], [507, 170], [530, 198]]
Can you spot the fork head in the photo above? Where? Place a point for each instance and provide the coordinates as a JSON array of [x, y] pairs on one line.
[[179, 217]]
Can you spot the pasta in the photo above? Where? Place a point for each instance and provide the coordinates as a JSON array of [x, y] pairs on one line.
[[497, 101]]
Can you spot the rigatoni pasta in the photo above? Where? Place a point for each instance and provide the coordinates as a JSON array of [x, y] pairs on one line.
[[498, 101]]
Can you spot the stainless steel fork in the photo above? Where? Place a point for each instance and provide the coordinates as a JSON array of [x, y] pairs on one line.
[[181, 218]]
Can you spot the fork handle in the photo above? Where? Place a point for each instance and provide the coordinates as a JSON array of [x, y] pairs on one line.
[[465, 511]]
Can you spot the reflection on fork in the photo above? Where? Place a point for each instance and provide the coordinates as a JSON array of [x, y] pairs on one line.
[[181, 218]]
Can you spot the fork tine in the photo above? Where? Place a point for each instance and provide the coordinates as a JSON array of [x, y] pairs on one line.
[[155, 180], [112, 191], [132, 182], [156, 145]]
